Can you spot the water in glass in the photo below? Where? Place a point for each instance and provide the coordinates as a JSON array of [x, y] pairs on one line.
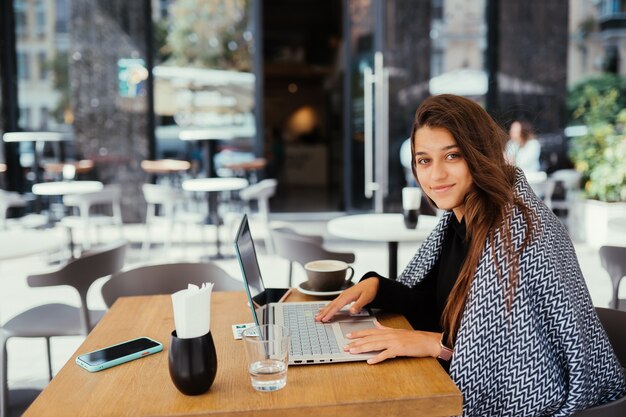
[[268, 374]]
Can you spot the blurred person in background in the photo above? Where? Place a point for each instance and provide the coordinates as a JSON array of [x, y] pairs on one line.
[[522, 149]]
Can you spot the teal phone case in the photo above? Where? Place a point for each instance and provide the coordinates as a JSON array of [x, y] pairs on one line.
[[120, 360]]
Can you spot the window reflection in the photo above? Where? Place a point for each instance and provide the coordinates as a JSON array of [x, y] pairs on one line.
[[458, 35], [203, 76]]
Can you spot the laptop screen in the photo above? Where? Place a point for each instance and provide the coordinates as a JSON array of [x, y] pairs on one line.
[[246, 254]]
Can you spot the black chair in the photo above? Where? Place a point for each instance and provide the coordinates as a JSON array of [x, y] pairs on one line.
[[614, 323], [302, 249], [57, 319], [614, 262], [166, 279]]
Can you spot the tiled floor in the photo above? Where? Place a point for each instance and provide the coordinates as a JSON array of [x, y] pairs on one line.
[[27, 365]]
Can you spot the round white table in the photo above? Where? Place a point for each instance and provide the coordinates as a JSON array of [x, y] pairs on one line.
[[382, 227], [210, 136], [36, 138], [212, 186], [57, 188], [66, 187]]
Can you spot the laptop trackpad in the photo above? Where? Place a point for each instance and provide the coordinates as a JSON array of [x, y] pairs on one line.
[[353, 326]]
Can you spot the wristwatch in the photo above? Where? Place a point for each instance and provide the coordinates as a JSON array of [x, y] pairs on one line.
[[445, 353]]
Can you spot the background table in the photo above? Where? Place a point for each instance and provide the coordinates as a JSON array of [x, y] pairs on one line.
[[36, 138], [212, 186], [170, 168], [382, 227], [66, 187], [210, 136], [60, 188], [398, 387]]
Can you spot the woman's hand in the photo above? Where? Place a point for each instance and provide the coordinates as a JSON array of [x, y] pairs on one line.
[[362, 294], [393, 342]]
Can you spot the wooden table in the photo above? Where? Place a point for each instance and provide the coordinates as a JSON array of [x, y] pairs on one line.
[[399, 387], [382, 227], [248, 169]]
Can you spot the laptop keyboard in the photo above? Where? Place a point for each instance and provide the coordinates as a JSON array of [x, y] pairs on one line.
[[308, 337]]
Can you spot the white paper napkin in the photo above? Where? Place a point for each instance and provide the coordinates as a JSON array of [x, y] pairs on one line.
[[192, 310]]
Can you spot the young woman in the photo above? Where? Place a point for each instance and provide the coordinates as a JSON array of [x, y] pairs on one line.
[[495, 291]]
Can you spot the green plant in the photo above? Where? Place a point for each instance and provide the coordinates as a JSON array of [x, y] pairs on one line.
[[600, 155], [578, 96]]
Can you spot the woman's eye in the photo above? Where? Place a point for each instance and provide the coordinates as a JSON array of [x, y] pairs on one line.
[[453, 155], [422, 161]]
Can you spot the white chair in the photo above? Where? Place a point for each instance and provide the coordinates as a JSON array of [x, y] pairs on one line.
[[9, 200], [110, 196], [166, 205], [570, 181], [260, 192], [538, 181]]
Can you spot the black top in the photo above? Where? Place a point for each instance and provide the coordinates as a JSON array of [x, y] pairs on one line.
[[423, 304]]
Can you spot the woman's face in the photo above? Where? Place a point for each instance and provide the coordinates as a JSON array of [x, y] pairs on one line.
[[441, 169]]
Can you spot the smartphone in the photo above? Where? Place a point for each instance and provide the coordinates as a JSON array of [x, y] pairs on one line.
[[122, 352]]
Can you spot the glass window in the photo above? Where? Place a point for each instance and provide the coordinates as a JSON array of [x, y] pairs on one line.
[[40, 18], [42, 66], [25, 116], [43, 118], [203, 76], [42, 62], [458, 36], [23, 66], [20, 18], [62, 16]]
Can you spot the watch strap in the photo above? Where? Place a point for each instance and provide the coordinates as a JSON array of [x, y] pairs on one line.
[[445, 353]]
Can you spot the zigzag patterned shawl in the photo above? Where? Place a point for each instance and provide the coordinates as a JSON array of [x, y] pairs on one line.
[[548, 355]]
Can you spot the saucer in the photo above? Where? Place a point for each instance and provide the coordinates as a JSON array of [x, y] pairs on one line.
[[304, 288]]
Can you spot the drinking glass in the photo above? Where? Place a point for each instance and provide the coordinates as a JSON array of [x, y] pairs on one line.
[[267, 351]]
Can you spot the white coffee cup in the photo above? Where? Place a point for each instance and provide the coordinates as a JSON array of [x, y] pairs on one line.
[[411, 198], [411, 201], [328, 274]]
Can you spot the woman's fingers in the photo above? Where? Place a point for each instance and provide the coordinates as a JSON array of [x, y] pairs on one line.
[[327, 313], [390, 343], [384, 355], [362, 294]]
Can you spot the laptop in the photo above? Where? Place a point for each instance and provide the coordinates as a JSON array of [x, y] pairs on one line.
[[311, 342]]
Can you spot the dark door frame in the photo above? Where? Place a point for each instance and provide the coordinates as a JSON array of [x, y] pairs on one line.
[[8, 78]]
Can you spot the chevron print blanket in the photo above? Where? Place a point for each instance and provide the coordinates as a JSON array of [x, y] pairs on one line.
[[548, 355]]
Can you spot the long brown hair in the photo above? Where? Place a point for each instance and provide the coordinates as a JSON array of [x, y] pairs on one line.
[[489, 201]]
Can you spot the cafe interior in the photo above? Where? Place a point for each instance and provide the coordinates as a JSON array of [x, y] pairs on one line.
[[141, 139]]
